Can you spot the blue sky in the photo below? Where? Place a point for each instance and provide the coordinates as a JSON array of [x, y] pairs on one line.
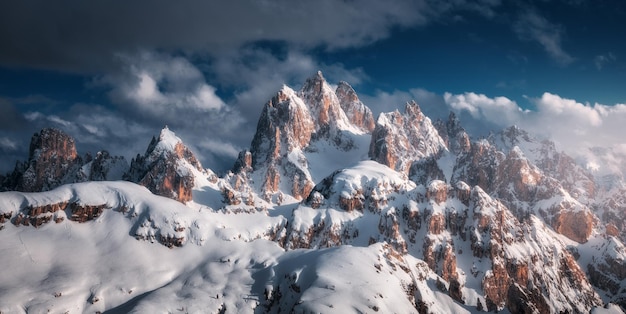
[[112, 73]]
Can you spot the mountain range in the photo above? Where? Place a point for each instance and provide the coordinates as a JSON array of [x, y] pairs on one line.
[[329, 210]]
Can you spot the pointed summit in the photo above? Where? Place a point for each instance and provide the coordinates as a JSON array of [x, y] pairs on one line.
[[167, 168], [324, 106], [453, 134], [51, 161], [398, 139], [358, 114]]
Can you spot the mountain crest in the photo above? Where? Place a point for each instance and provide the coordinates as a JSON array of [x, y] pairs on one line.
[[400, 139], [358, 114], [168, 168], [324, 106]]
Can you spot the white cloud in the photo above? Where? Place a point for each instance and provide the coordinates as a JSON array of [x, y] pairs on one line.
[[500, 110], [56, 119], [159, 84], [601, 60], [7, 143], [533, 27], [575, 127], [219, 147]]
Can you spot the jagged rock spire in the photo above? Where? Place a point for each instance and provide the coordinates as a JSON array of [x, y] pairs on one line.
[[167, 168], [358, 114], [400, 139]]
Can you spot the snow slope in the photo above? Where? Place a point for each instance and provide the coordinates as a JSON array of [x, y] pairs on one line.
[[115, 262]]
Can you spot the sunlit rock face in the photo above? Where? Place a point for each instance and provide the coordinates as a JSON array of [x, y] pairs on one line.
[[167, 168], [358, 114], [54, 161], [293, 124], [51, 160], [399, 139]]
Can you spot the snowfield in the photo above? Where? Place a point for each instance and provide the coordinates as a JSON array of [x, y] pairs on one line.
[[115, 264]]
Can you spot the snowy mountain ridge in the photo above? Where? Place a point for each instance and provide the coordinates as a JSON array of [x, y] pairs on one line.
[[329, 211]]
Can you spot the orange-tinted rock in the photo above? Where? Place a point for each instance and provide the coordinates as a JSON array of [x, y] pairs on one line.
[[166, 170], [576, 225], [83, 213], [611, 230], [354, 202], [399, 139], [358, 114], [436, 224], [448, 260], [51, 162], [495, 286], [517, 171]]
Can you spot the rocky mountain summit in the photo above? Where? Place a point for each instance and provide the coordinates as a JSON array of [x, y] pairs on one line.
[[416, 214], [53, 161]]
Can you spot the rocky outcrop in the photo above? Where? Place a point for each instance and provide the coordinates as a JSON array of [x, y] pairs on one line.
[[52, 161], [478, 166], [292, 125], [324, 106], [576, 225], [576, 180], [425, 170], [103, 167], [358, 114], [167, 168], [453, 134], [400, 139], [285, 124]]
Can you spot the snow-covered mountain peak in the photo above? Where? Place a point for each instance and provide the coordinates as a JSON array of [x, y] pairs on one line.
[[324, 107], [167, 139], [398, 139], [358, 114], [168, 168]]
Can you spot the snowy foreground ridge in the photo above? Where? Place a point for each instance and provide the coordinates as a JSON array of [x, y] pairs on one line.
[[329, 211]]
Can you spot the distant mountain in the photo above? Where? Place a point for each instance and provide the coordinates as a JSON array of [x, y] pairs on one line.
[[329, 210]]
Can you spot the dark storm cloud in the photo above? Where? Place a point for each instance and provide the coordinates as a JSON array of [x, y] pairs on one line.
[[83, 35]]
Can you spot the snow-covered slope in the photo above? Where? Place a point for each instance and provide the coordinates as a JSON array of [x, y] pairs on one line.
[[124, 258]]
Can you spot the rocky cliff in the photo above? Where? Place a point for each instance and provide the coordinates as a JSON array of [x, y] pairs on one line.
[[400, 139], [53, 161], [168, 168]]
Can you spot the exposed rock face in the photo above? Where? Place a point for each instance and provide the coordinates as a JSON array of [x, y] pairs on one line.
[[285, 124], [167, 168], [358, 114], [437, 191], [453, 134], [400, 139], [103, 167], [478, 166], [577, 181], [517, 172], [513, 260], [425, 170], [52, 161], [576, 225], [613, 212], [291, 125], [324, 106]]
